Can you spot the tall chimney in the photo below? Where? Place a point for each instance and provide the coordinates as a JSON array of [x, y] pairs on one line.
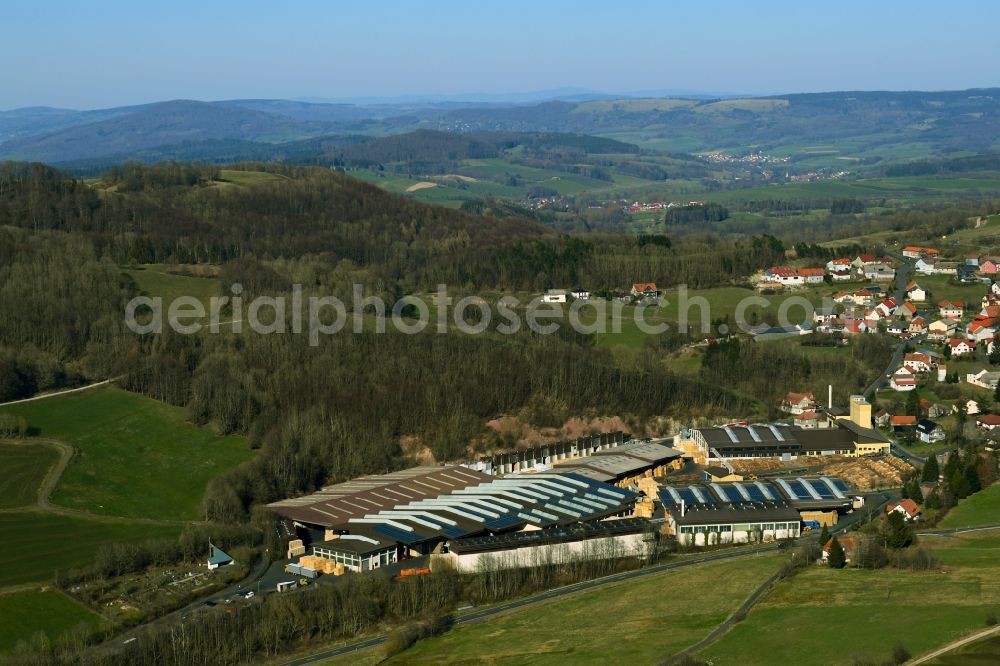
[[830, 402], [683, 507]]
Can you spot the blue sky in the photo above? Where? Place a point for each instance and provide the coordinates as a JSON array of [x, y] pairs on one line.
[[98, 54]]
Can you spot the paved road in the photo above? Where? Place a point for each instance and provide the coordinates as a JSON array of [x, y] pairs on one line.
[[902, 278]]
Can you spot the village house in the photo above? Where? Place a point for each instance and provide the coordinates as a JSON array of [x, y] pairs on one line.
[[942, 329], [896, 327], [906, 311], [918, 326], [971, 407], [961, 347], [848, 543], [580, 294], [918, 362], [946, 268], [915, 292], [982, 330], [983, 378], [783, 275], [882, 418], [951, 309], [903, 380], [645, 290], [929, 432], [808, 420], [887, 307], [902, 422], [915, 251], [879, 273], [841, 264], [988, 421], [812, 275], [841, 276], [797, 403], [989, 266], [972, 260], [925, 266], [863, 260], [907, 507]]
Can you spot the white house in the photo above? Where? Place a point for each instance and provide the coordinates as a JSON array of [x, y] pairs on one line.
[[879, 273], [925, 266], [915, 292], [960, 347], [972, 407], [917, 362], [581, 294], [554, 296], [903, 380], [951, 309], [929, 432], [983, 378], [907, 507]]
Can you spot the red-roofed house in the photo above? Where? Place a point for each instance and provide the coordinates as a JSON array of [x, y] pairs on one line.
[[915, 292], [848, 543], [906, 311], [839, 264], [960, 347], [903, 380], [918, 362], [918, 326], [812, 275], [645, 289], [907, 507], [915, 251], [807, 420], [982, 330], [988, 421], [798, 403], [989, 266], [863, 260], [902, 421]]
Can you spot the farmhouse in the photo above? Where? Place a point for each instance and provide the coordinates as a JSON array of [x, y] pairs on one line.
[[918, 326], [903, 380], [925, 266], [916, 252], [645, 290], [879, 272], [918, 362], [907, 507], [797, 403]]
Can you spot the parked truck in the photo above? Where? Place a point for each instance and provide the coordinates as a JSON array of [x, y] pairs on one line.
[[810, 525], [286, 585], [308, 572]]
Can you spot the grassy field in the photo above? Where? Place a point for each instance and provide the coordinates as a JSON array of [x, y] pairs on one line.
[[826, 616], [50, 612], [137, 457], [248, 178], [639, 622], [155, 280], [982, 508], [48, 542], [24, 468]]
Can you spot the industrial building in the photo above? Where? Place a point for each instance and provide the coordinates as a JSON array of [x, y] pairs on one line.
[[623, 465], [546, 455], [850, 436], [377, 520], [740, 511]]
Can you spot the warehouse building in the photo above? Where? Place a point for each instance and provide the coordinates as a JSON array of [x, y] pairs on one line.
[[740, 511], [623, 465], [604, 539], [373, 521], [850, 436], [541, 457]]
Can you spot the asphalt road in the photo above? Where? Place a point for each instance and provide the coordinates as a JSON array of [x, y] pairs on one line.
[[902, 279]]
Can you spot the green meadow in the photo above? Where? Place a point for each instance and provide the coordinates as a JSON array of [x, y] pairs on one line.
[[49, 612], [136, 457], [24, 467]]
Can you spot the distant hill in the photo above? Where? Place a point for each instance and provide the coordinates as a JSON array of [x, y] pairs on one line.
[[852, 126], [160, 124]]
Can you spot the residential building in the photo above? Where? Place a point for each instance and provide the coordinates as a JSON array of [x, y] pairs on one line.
[[918, 362], [915, 292], [925, 266], [848, 543], [918, 326], [581, 294], [972, 407], [951, 309], [961, 347], [928, 431], [942, 329], [989, 266], [946, 268], [983, 378], [916, 252], [645, 290], [903, 380], [907, 507], [797, 403]]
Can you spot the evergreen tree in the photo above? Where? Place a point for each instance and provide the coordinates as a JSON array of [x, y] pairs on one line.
[[837, 558], [898, 533], [931, 469], [972, 477], [824, 535]]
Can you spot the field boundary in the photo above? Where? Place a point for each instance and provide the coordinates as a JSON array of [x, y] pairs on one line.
[[961, 642], [55, 394]]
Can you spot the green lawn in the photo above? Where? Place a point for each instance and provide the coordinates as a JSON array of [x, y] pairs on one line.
[[941, 288], [24, 468], [638, 622], [51, 612], [825, 616], [38, 544], [137, 457], [982, 508]]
